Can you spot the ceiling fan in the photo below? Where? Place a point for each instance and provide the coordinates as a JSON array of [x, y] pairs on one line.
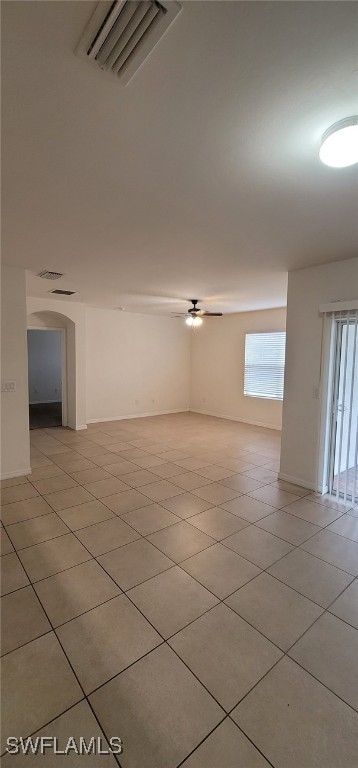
[[194, 315]]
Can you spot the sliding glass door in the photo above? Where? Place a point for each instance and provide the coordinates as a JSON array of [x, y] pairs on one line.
[[343, 473]]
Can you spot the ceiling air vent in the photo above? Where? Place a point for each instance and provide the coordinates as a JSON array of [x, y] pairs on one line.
[[63, 293], [121, 34], [50, 275]]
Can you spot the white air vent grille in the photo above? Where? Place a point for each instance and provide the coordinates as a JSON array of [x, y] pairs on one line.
[[123, 33], [50, 275]]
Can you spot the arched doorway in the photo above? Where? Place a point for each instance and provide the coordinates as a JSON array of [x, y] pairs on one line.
[[56, 321]]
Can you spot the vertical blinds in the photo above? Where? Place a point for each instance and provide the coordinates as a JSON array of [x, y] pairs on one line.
[[264, 365]]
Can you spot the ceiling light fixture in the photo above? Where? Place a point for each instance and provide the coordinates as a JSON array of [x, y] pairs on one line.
[[193, 321], [339, 147]]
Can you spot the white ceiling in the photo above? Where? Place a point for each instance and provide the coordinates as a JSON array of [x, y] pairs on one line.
[[200, 178]]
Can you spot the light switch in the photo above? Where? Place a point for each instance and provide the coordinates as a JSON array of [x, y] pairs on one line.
[[8, 386]]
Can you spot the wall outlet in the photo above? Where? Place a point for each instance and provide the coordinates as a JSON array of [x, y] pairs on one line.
[[8, 386]]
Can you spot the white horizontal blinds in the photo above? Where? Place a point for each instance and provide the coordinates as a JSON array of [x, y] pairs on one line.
[[265, 364], [344, 478]]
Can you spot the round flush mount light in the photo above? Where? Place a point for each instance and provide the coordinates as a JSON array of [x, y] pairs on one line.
[[193, 321], [339, 147]]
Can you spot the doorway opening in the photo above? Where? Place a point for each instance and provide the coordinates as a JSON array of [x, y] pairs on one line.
[[343, 453], [46, 377]]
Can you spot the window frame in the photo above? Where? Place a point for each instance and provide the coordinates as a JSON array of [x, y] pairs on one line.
[[268, 396]]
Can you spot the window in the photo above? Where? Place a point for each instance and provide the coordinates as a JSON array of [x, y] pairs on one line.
[[264, 365]]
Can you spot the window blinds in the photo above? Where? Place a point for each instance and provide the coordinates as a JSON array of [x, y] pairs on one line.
[[264, 365]]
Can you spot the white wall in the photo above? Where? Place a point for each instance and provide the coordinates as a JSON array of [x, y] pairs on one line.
[[135, 364], [44, 366], [15, 446], [217, 370], [307, 289]]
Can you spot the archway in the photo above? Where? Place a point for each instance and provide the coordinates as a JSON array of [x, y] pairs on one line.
[[49, 320]]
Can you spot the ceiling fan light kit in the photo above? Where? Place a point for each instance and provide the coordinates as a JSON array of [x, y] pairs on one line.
[[194, 315]]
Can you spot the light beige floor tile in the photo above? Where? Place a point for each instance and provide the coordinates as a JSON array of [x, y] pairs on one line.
[[265, 474], [209, 646], [218, 523], [149, 461], [327, 651], [280, 717], [11, 481], [103, 488], [334, 549], [248, 509], [103, 537], [166, 470], [288, 527], [275, 497], [346, 526], [190, 481], [53, 556], [64, 460], [119, 446], [174, 724], [72, 592], [38, 684], [328, 501], [139, 478], [150, 519], [91, 449], [106, 640], [192, 463], [173, 455], [241, 483], [131, 453], [298, 490], [280, 613], [134, 563], [171, 600], [13, 575], [313, 578], [258, 546], [185, 505], [318, 514], [22, 619], [79, 722], [237, 466], [119, 468], [181, 541], [220, 570], [40, 461], [24, 510], [104, 459], [77, 465], [353, 512], [87, 476], [18, 493], [85, 514], [35, 531], [215, 473], [346, 606], [215, 493], [5, 543], [226, 747], [58, 483], [161, 490], [69, 498], [126, 501]]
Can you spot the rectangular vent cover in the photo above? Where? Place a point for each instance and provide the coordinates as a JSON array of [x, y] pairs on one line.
[[121, 34], [50, 275], [63, 293]]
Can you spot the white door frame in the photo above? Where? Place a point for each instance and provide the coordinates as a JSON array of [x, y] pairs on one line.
[[63, 365]]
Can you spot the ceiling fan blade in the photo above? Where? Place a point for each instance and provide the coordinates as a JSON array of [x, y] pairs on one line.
[[212, 314]]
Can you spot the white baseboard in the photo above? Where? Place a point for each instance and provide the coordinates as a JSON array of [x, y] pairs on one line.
[[235, 418], [80, 426], [137, 415], [17, 473], [298, 481]]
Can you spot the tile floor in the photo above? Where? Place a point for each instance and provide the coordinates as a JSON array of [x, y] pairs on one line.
[[160, 584]]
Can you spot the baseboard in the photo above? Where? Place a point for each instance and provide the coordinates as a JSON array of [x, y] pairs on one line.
[[236, 418], [80, 426], [44, 402], [17, 473], [137, 415], [298, 481]]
